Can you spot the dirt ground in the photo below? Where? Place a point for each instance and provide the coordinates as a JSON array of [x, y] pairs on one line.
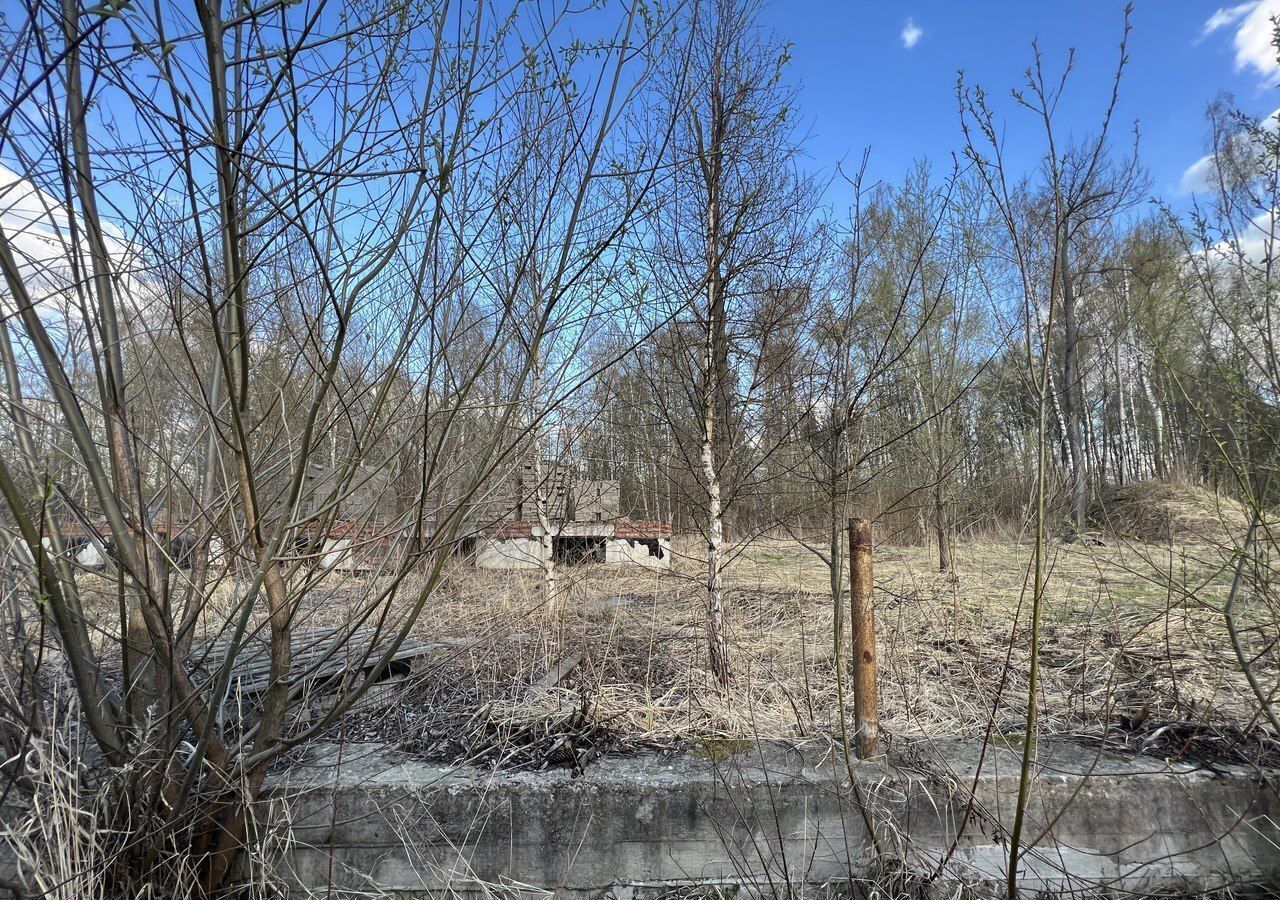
[[1135, 655]]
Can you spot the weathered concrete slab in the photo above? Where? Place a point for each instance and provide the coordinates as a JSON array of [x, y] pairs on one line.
[[509, 553], [769, 818], [653, 553]]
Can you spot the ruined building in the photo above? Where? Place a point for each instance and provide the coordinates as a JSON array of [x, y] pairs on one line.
[[585, 521], [357, 528]]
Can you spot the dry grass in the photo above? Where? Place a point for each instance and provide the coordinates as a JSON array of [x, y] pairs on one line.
[[1163, 510], [1133, 648], [70, 834]]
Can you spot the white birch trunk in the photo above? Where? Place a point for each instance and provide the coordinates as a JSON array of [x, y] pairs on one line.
[[546, 540], [716, 645]]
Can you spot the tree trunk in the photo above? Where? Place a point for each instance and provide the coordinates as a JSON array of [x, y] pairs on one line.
[[941, 529], [546, 556], [1072, 402], [1157, 415], [717, 648], [715, 356]]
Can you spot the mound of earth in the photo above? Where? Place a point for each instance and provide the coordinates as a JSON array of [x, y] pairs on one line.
[[1162, 511]]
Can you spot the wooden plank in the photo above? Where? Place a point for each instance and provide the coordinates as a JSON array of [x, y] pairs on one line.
[[317, 657], [556, 674]]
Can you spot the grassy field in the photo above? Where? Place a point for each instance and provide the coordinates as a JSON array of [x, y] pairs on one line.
[[1134, 650]]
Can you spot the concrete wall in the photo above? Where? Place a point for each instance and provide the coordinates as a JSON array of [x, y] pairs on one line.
[[338, 555], [635, 553], [636, 826], [509, 553], [597, 501]]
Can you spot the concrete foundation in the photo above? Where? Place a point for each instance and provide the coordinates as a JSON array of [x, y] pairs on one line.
[[773, 820]]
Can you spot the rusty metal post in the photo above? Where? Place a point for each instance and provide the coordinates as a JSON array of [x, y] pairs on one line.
[[866, 707]]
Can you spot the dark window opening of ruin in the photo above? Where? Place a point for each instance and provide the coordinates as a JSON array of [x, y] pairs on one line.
[[575, 551], [465, 546], [182, 550]]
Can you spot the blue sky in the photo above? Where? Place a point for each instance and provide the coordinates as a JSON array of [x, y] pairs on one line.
[[861, 86], [882, 75]]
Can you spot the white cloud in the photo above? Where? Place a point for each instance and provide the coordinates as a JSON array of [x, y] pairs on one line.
[[1256, 241], [1245, 158], [1228, 15], [37, 227], [38, 231], [1254, 32], [1198, 176], [911, 33]]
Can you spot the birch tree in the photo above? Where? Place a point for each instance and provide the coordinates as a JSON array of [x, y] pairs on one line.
[[732, 219]]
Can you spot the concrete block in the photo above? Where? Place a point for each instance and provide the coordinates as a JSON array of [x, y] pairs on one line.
[[639, 552]]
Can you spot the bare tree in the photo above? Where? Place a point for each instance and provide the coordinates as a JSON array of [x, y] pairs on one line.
[[301, 217], [731, 222], [1040, 261]]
